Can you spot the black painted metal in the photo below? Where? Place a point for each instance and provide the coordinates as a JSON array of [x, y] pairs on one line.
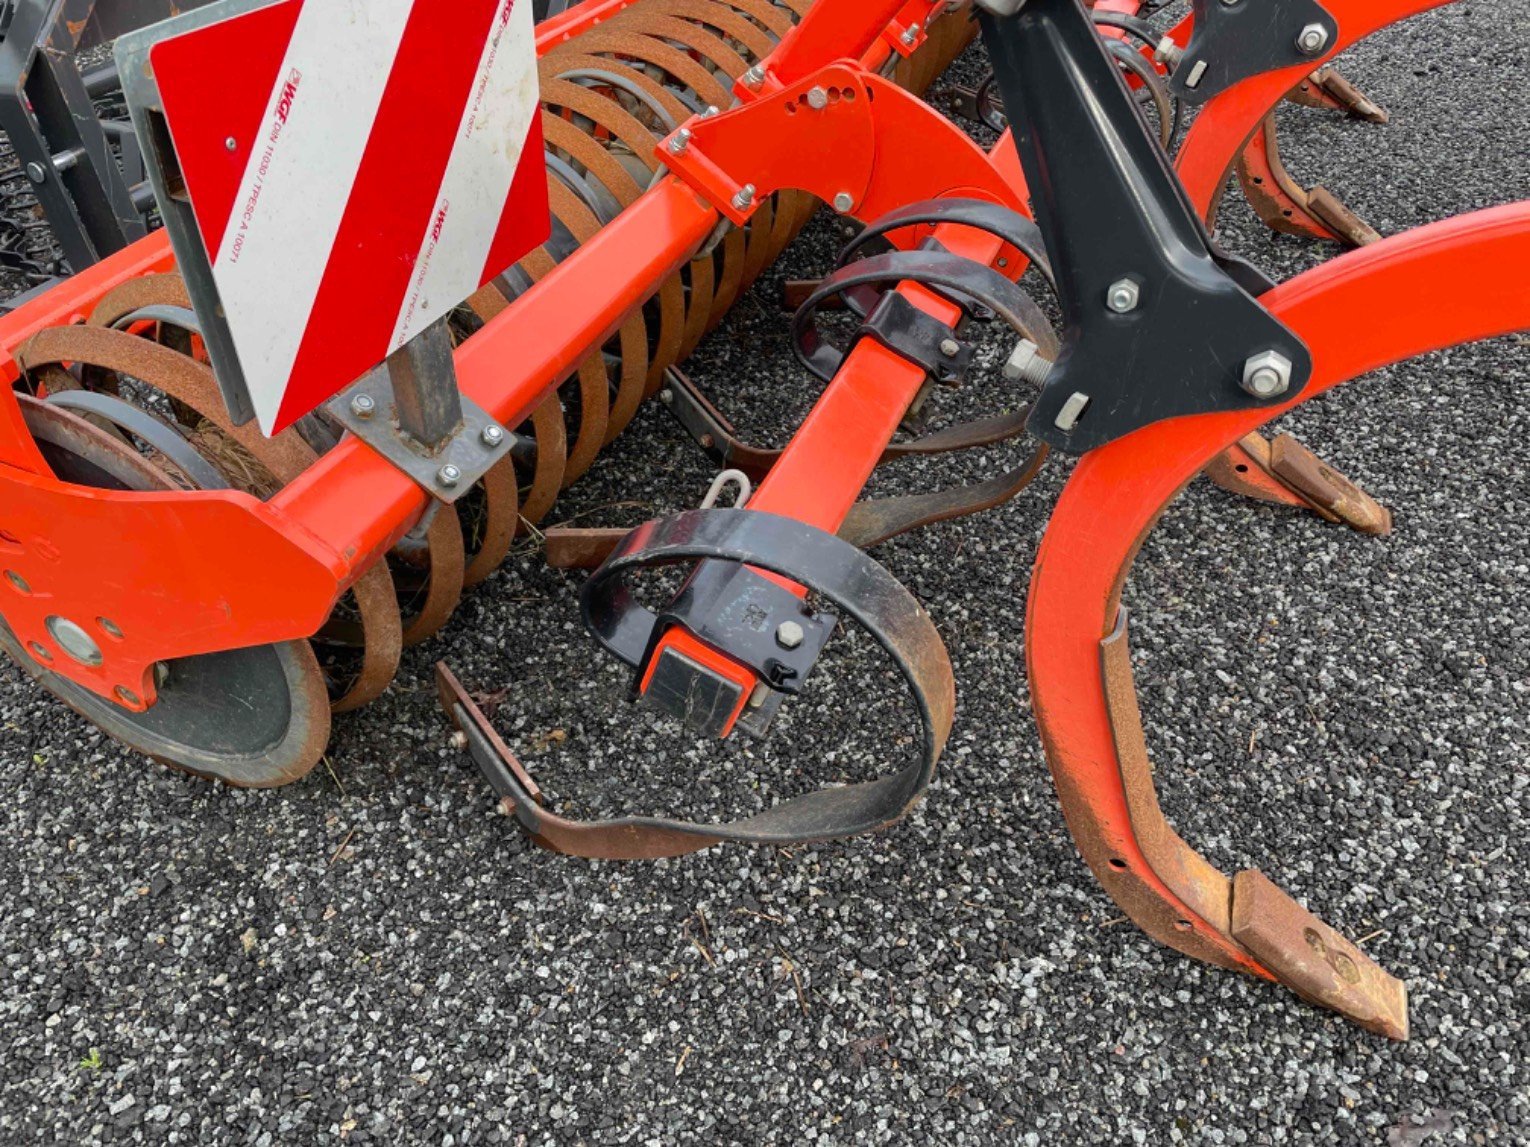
[[1111, 209], [93, 203], [1246, 38]]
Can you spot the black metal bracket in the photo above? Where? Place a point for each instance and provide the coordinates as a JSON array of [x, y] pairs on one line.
[[86, 173], [1235, 39], [1155, 325]]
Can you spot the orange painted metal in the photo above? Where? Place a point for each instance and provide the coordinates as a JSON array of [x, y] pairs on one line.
[[856, 144], [330, 525], [1228, 122], [1116, 494]]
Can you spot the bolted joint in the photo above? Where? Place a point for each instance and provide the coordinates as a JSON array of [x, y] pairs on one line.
[[745, 197], [1168, 52], [817, 99], [790, 635], [449, 476], [363, 406], [1312, 39], [1027, 364], [1267, 375], [754, 78], [843, 202], [681, 141], [1123, 296]]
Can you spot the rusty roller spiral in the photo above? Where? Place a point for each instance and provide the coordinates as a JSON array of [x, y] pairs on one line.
[[609, 95]]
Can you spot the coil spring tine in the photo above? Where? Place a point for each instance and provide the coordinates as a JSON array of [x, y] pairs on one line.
[[448, 567], [502, 505]]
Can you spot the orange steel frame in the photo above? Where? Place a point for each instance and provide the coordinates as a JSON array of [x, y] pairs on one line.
[[198, 572]]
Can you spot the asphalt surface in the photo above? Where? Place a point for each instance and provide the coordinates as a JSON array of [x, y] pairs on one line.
[[373, 955]]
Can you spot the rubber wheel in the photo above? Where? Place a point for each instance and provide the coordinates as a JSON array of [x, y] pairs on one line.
[[252, 718]]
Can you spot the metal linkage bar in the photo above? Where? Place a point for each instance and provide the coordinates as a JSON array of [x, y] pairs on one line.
[[93, 204]]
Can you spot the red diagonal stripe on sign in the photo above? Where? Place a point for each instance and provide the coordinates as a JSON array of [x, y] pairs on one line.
[[526, 224], [396, 191], [249, 54]]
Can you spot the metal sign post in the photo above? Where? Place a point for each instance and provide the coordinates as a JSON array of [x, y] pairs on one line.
[[365, 166]]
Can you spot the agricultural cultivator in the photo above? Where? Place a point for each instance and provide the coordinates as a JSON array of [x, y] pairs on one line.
[[280, 532]]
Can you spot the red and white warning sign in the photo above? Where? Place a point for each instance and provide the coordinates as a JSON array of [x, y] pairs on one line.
[[356, 168]]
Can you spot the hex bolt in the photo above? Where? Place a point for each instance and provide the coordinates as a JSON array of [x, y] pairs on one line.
[[18, 583], [680, 142], [789, 635], [449, 476], [493, 435], [1123, 296], [843, 202], [817, 99], [231, 143], [911, 35], [1027, 364], [1312, 39], [745, 197], [950, 348], [1168, 52], [363, 406], [37, 173], [1267, 374], [754, 77]]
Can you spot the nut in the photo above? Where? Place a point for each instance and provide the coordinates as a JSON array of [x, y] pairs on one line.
[[1267, 374]]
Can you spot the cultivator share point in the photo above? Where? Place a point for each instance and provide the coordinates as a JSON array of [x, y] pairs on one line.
[[327, 399]]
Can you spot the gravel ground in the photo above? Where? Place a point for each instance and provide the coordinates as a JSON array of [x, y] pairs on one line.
[[374, 955]]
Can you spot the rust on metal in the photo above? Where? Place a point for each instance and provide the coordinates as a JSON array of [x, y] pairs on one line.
[[1313, 960], [1285, 205], [1326, 488]]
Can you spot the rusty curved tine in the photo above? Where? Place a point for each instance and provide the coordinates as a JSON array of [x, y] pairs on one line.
[[167, 289], [502, 514], [1287, 207], [547, 427], [594, 384], [448, 566], [191, 383], [720, 20], [775, 19]]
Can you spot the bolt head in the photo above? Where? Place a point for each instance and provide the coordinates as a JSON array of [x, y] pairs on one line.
[[950, 348], [817, 99], [911, 34], [680, 142], [448, 476], [493, 435], [745, 197], [363, 406], [1123, 296], [843, 202], [231, 143], [1312, 39], [36, 172], [789, 635], [1267, 374]]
